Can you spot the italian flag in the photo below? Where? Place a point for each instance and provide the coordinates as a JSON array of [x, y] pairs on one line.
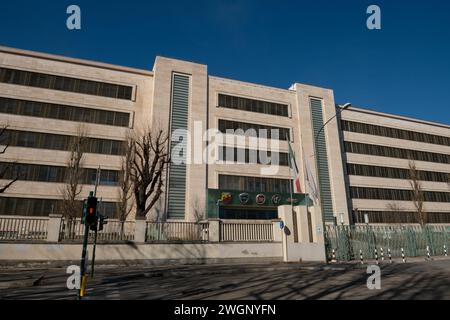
[[293, 166]]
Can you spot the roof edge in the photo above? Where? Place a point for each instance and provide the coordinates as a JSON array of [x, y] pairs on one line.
[[83, 62]]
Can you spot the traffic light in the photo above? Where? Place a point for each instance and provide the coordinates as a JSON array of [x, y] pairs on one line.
[[91, 211], [83, 215], [102, 221]]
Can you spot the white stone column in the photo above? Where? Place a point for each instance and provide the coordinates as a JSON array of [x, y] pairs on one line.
[[277, 231], [214, 230], [303, 227], [317, 224], [140, 231], [53, 227]]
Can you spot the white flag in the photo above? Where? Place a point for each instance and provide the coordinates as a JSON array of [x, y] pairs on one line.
[[311, 182]]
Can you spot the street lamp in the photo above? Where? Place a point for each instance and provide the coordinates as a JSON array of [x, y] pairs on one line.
[[339, 111]]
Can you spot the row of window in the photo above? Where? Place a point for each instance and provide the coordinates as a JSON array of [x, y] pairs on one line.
[[254, 184], [391, 152], [254, 130], [399, 217], [45, 207], [247, 214], [253, 105], [49, 141], [395, 173], [63, 112], [48, 81], [396, 194], [240, 155], [44, 173], [394, 133]]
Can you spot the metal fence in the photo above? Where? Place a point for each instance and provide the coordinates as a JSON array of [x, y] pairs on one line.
[[114, 230], [177, 231], [246, 231], [349, 241], [23, 228]]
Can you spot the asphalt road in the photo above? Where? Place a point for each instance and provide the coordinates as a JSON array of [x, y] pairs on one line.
[[418, 280]]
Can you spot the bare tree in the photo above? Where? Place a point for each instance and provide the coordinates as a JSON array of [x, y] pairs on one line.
[[417, 193], [73, 176], [125, 206], [396, 209], [150, 157], [4, 141], [198, 210]]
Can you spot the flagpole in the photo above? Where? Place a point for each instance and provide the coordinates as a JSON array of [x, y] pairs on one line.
[[291, 168], [305, 172]]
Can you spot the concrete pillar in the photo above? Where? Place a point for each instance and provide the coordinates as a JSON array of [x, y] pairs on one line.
[[54, 227], [285, 214], [140, 231], [277, 231], [303, 226], [214, 230], [317, 224], [302, 250]]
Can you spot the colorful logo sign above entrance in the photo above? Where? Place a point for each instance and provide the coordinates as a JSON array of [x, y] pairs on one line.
[[226, 198], [260, 199], [276, 199], [244, 198]]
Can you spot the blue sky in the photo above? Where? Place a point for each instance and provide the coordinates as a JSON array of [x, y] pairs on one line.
[[402, 69]]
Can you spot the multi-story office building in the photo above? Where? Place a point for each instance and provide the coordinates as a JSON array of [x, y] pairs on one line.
[[382, 155], [359, 160]]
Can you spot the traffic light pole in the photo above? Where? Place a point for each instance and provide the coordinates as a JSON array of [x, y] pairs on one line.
[[93, 251], [83, 262], [90, 220], [97, 182]]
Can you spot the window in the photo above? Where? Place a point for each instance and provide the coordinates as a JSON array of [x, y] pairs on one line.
[[391, 152], [44, 207], [63, 112], [395, 173], [253, 156], [57, 174], [252, 129], [47, 81], [254, 184], [394, 133], [395, 194], [49, 141], [399, 217], [253, 105]]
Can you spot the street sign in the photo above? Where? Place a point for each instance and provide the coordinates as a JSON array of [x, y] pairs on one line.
[[281, 224]]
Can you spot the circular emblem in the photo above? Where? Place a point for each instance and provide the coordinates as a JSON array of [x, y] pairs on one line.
[[226, 198], [244, 198], [260, 199], [276, 199]]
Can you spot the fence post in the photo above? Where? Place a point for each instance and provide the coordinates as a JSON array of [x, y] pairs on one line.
[[140, 230], [214, 230], [53, 227]]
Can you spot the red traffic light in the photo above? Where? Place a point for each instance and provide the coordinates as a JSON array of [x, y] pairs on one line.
[[91, 217]]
